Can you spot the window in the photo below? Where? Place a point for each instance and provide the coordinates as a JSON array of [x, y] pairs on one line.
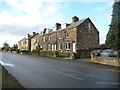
[[36, 41], [59, 46], [49, 38], [59, 35], [44, 39], [66, 34], [55, 47], [67, 45], [43, 47], [89, 26], [49, 46]]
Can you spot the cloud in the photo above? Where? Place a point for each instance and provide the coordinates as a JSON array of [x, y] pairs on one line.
[[29, 12], [26, 16]]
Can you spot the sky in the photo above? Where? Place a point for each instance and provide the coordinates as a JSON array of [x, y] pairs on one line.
[[20, 17]]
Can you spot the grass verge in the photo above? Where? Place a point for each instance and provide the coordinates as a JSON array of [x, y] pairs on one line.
[[7, 80]]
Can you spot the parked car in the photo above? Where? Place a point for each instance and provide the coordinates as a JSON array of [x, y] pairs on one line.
[[109, 53], [96, 52]]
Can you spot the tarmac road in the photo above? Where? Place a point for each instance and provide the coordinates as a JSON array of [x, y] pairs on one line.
[[42, 72]]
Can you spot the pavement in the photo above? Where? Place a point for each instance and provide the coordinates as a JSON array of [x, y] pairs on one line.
[[0, 77], [0, 72], [43, 72]]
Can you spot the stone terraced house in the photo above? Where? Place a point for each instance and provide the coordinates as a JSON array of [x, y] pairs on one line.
[[25, 43], [76, 37]]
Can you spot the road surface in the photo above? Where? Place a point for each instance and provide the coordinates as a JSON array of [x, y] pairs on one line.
[[42, 72]]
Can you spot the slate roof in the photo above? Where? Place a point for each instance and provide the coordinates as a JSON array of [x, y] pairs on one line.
[[72, 25], [75, 24]]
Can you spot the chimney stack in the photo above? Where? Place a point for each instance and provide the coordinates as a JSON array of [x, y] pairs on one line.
[[58, 26], [28, 35], [44, 31], [75, 19]]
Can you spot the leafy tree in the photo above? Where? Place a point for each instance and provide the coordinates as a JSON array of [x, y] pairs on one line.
[[6, 45], [113, 36]]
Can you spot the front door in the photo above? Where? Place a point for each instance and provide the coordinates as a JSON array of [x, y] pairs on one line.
[[74, 48]]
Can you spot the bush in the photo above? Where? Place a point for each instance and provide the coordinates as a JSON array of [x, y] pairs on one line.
[[24, 51], [37, 51], [12, 49], [48, 52], [17, 51], [63, 54], [6, 49]]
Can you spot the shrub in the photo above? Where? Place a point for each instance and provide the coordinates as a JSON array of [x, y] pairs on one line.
[[24, 51], [48, 52], [17, 51], [37, 50], [57, 53], [6, 49], [63, 54], [12, 49]]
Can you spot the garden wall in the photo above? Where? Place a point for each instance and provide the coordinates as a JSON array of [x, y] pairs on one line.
[[112, 61]]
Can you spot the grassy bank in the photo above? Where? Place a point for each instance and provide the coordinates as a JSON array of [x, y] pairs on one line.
[[7, 80]]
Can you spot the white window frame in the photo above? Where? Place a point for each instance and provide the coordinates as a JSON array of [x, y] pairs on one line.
[[54, 46], [43, 47], [43, 38], [66, 34], [59, 35], [49, 38], [67, 47], [59, 46], [89, 26]]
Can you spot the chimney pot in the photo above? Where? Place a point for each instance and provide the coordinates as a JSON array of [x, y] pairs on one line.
[[28, 35], [75, 19], [34, 33], [58, 26]]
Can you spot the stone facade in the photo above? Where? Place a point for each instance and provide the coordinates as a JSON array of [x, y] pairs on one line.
[[25, 43], [74, 37], [106, 60]]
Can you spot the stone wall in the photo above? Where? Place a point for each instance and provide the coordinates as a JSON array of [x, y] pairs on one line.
[[112, 61], [87, 37]]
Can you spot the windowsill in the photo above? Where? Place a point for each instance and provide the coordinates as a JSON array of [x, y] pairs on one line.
[[67, 49]]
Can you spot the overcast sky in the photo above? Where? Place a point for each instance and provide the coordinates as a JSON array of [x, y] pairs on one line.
[[20, 17]]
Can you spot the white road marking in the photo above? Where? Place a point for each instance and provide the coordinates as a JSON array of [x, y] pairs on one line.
[[83, 66], [107, 83], [82, 75], [68, 75], [85, 74], [6, 64]]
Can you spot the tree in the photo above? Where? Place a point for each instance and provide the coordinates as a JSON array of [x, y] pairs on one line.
[[113, 36], [6, 45], [15, 46]]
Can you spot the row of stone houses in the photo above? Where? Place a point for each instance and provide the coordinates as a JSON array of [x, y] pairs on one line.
[[74, 37]]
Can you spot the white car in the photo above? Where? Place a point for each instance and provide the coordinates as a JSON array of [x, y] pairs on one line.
[[109, 53]]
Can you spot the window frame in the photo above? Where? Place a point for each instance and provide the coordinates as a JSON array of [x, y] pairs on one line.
[[49, 46], [67, 34], [59, 46], [43, 38], [67, 45], [49, 37], [89, 25]]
